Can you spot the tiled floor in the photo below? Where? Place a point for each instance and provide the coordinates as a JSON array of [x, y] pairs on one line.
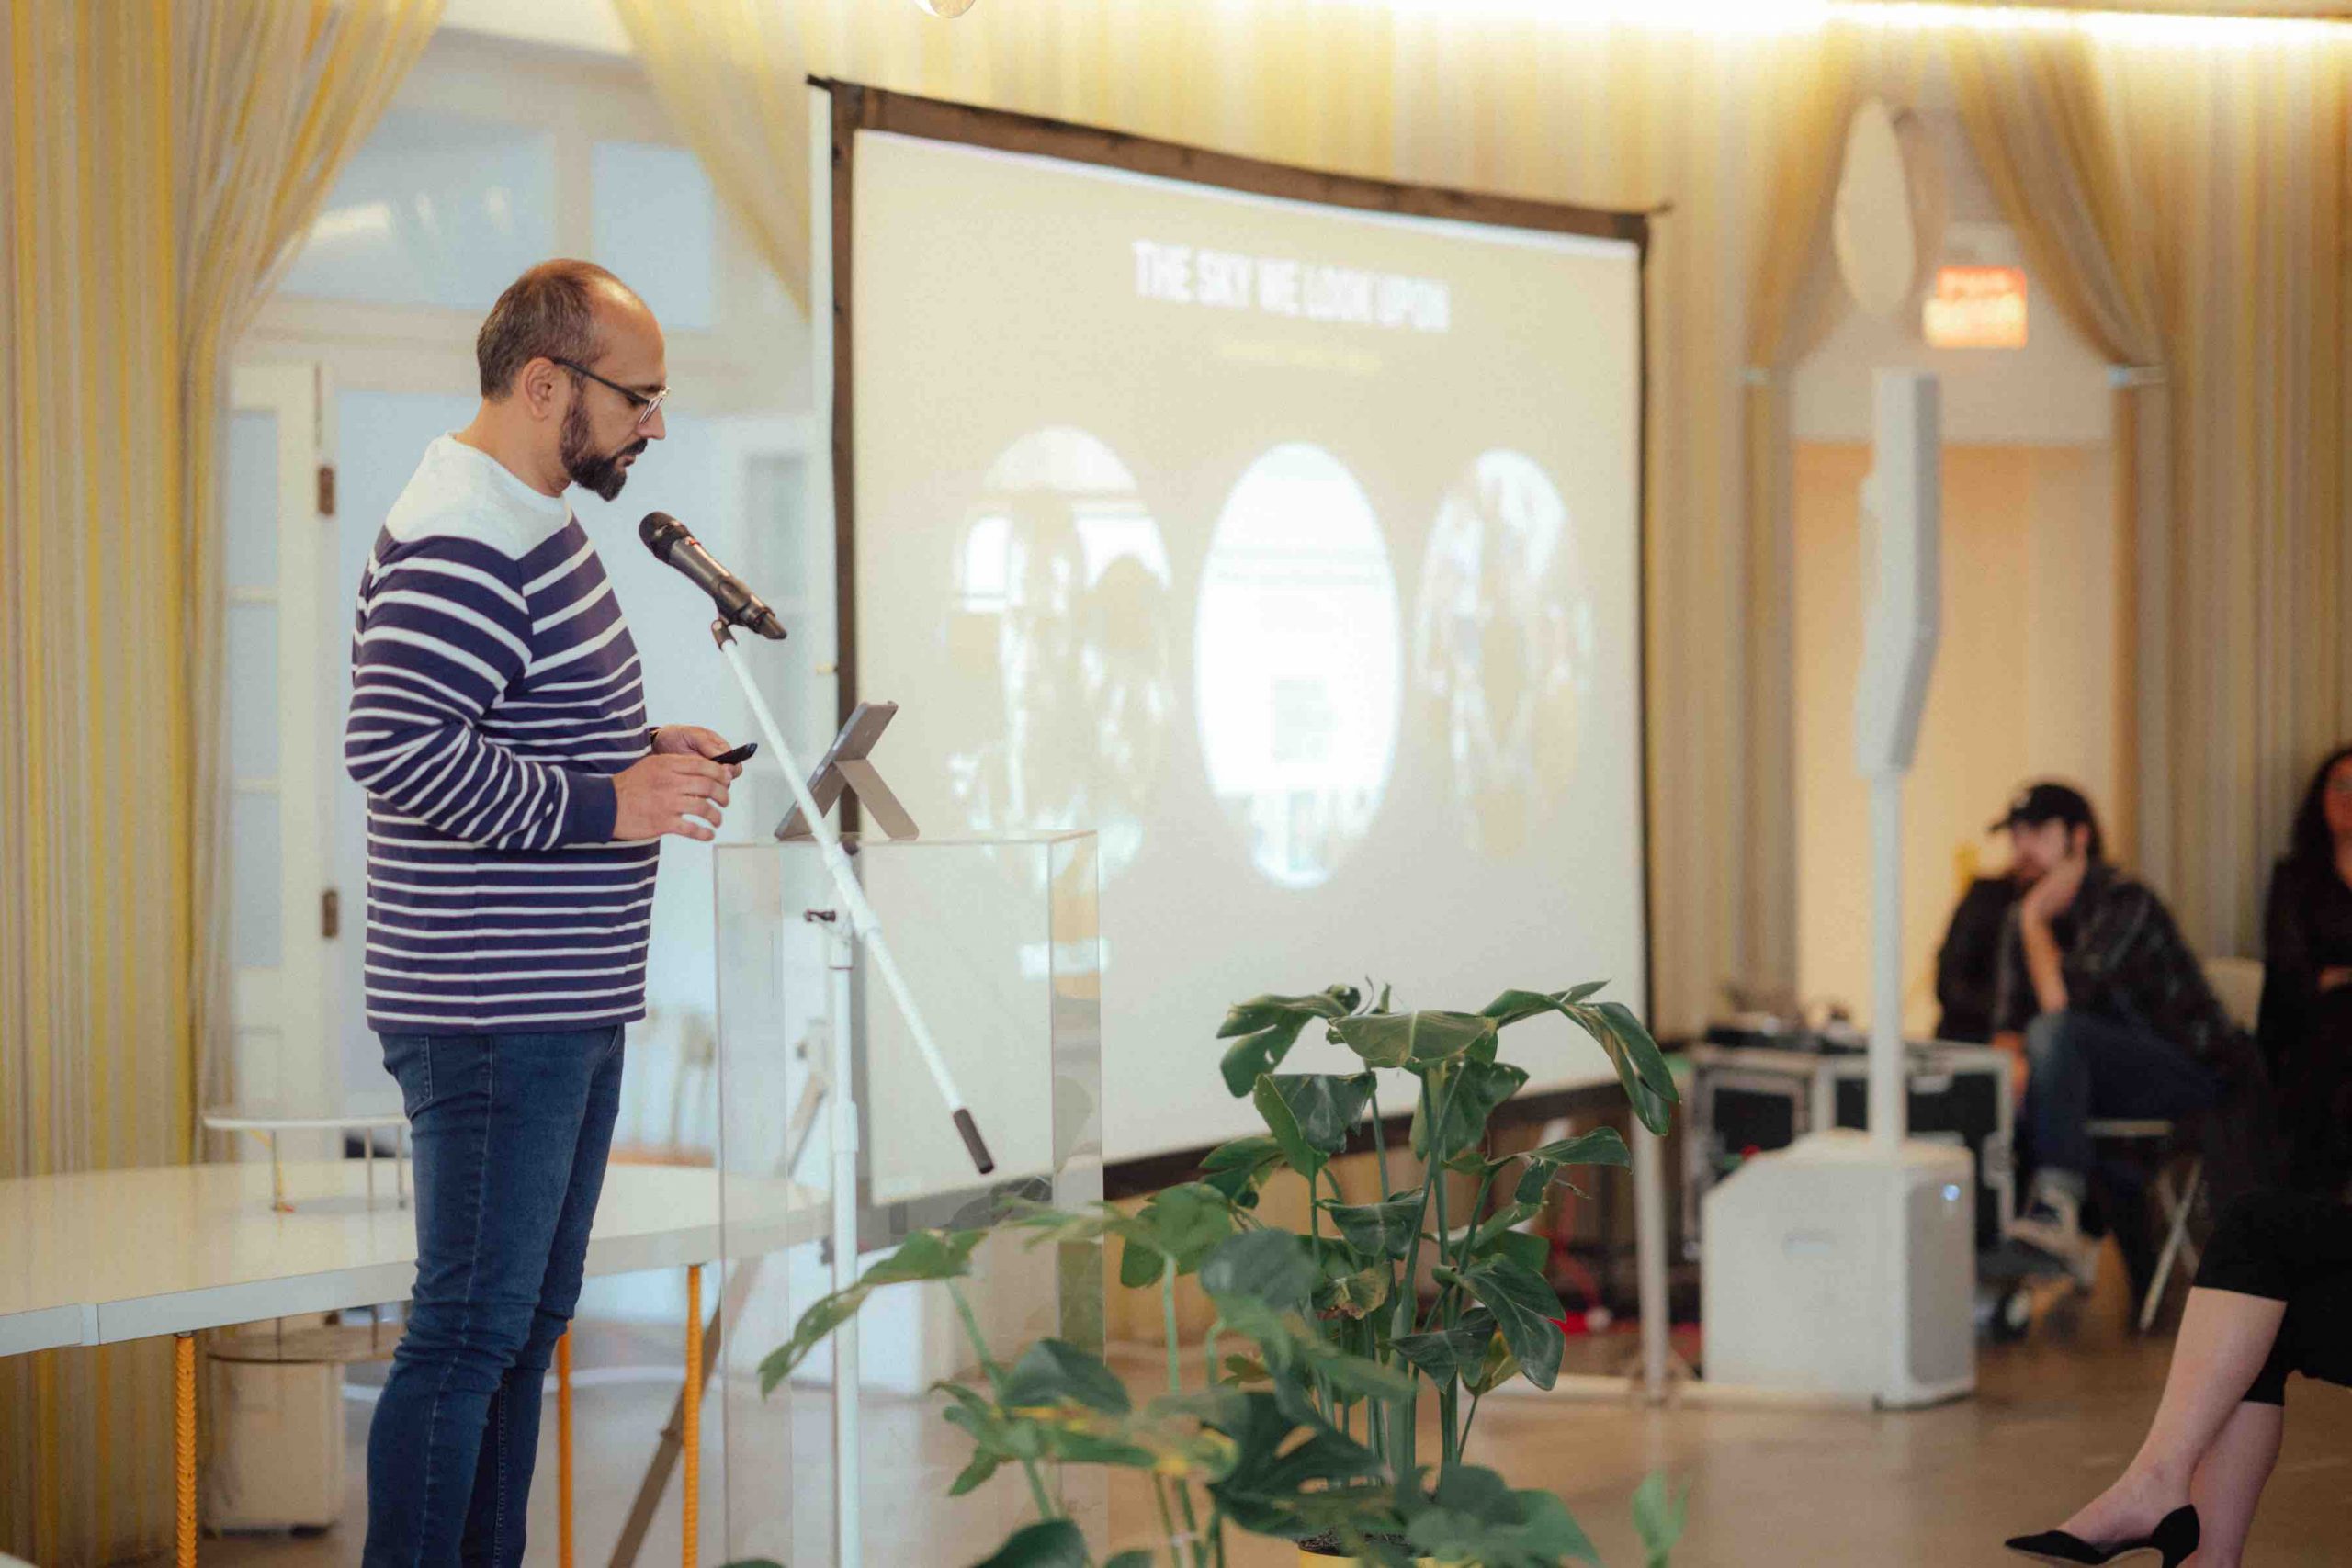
[[2051, 1423]]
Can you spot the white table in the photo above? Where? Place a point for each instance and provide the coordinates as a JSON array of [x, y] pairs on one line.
[[268, 1123], [104, 1256]]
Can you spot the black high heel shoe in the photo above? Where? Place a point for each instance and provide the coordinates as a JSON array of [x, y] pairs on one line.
[[2173, 1542]]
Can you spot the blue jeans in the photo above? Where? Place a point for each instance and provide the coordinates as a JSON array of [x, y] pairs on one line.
[[2083, 1067], [511, 1131]]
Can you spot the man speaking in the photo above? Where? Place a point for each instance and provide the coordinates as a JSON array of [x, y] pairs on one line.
[[514, 796]]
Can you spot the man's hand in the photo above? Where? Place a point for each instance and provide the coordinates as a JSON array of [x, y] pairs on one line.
[[2053, 894], [671, 793], [2334, 977], [692, 741]]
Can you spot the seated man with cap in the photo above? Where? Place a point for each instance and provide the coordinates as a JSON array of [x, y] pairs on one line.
[[2104, 1004]]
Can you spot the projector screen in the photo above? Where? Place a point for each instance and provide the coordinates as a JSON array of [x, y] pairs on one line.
[[1292, 547]]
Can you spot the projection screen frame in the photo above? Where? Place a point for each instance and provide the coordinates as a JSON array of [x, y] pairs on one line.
[[856, 107]]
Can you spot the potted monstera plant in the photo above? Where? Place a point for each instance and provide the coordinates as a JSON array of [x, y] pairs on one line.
[[1493, 1315], [1301, 1421]]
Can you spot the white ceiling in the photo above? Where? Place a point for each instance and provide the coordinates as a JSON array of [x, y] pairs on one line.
[[592, 27]]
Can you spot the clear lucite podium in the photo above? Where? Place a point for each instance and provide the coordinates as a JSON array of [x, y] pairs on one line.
[[998, 940]]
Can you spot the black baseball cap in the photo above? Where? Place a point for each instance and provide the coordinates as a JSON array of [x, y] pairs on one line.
[[2048, 801]]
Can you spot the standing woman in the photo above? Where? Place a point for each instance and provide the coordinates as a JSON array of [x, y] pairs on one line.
[[2306, 1023]]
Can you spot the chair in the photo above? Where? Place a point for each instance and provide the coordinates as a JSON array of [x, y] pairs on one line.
[[2237, 983]]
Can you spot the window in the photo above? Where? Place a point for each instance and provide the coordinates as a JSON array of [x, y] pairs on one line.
[[433, 209], [495, 156]]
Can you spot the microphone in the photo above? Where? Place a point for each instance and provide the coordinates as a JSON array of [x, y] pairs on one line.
[[738, 606]]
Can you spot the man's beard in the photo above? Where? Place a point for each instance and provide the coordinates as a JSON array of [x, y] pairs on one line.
[[586, 468]]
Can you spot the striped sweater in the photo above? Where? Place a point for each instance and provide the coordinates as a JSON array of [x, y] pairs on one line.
[[496, 692]]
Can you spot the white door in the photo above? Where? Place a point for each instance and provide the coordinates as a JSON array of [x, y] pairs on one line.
[[284, 914]]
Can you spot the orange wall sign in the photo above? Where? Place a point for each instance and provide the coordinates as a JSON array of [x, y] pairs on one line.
[[1975, 307]]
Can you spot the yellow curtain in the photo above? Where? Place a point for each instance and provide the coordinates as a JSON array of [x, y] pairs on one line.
[[2237, 146], [1793, 272], [278, 93], [1598, 112], [160, 155], [2035, 107]]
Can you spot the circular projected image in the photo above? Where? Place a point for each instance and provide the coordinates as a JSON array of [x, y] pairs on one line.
[[1502, 647], [1296, 674], [1059, 647]]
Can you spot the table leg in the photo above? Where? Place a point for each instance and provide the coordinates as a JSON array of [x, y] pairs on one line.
[[564, 1448], [692, 1498], [368, 1147], [278, 1180], [183, 1446]]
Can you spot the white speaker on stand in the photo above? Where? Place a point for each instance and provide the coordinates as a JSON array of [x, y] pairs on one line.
[[1844, 1266]]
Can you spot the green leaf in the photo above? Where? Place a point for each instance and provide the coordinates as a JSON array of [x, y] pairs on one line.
[[1513, 1006], [1473, 1516], [1275, 1483], [1641, 1066], [1270, 1266], [1379, 1230], [1303, 1155], [1263, 1029], [1444, 1353], [926, 1255], [1658, 1518], [1526, 1312], [1246, 1369], [1049, 1226], [1417, 1041], [1552, 1533], [1235, 1168], [1052, 1372], [1602, 1146], [1472, 1091], [1291, 1348], [1358, 1295], [1326, 1106], [1529, 1250], [1184, 1223], [975, 1475], [1055, 1543], [1496, 1368], [1139, 1558]]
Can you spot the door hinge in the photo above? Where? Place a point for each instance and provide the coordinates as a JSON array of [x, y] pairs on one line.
[[331, 914], [326, 489]]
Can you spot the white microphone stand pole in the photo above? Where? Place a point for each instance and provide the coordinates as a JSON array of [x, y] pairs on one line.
[[857, 923]]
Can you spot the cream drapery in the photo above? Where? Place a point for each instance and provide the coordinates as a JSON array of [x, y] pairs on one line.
[[278, 95], [1601, 113], [1784, 322], [2237, 148], [160, 157], [2035, 107]]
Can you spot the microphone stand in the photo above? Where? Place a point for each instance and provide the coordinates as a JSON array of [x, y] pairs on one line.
[[863, 926]]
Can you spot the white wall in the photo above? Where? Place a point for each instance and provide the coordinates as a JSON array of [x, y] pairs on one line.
[[589, 25], [2052, 393]]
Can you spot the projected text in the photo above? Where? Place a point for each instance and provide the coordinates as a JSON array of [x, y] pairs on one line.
[[1187, 275]]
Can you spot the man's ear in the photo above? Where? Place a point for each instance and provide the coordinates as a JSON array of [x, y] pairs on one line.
[[540, 383]]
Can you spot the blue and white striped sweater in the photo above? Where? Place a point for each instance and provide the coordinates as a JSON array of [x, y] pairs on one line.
[[495, 690]]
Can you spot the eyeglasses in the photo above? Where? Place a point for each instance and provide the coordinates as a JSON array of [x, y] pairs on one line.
[[648, 403]]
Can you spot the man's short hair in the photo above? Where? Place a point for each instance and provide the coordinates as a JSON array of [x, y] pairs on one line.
[[550, 312]]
